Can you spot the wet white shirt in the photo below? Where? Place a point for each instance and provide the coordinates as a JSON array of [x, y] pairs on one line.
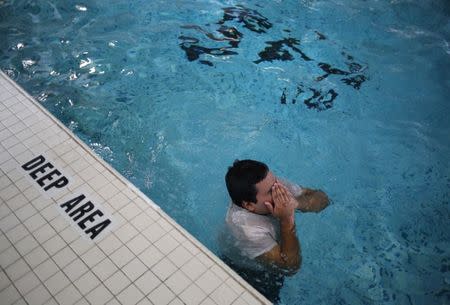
[[255, 234]]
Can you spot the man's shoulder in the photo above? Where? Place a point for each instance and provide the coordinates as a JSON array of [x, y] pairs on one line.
[[252, 234], [242, 218]]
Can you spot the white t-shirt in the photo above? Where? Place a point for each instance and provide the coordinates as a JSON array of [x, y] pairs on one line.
[[255, 234]]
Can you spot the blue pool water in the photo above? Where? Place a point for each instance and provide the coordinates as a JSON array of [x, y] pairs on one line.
[[347, 96]]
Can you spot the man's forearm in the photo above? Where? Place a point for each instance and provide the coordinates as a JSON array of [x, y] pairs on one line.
[[290, 246]]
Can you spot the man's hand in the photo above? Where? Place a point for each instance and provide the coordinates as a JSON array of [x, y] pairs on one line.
[[284, 203]]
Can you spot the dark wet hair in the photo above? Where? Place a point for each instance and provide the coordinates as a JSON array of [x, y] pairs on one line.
[[241, 180]]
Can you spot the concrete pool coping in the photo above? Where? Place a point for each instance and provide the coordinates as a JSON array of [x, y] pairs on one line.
[[74, 231]]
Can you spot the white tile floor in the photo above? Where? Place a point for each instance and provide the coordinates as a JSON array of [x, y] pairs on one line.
[[49, 212]]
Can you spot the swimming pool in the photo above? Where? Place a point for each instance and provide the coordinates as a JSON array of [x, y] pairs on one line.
[[347, 96]]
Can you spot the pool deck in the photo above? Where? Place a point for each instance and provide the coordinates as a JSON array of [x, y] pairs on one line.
[[74, 231]]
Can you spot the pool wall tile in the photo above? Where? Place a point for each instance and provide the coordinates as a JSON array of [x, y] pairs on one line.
[[161, 295], [46, 254], [192, 295], [38, 295], [117, 282]]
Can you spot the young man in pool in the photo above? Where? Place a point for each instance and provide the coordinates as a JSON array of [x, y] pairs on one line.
[[261, 215]]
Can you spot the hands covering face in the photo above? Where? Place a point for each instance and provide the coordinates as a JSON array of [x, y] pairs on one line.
[[284, 202]]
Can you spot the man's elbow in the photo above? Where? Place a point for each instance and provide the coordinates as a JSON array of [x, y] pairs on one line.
[[291, 267], [324, 200], [321, 201]]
